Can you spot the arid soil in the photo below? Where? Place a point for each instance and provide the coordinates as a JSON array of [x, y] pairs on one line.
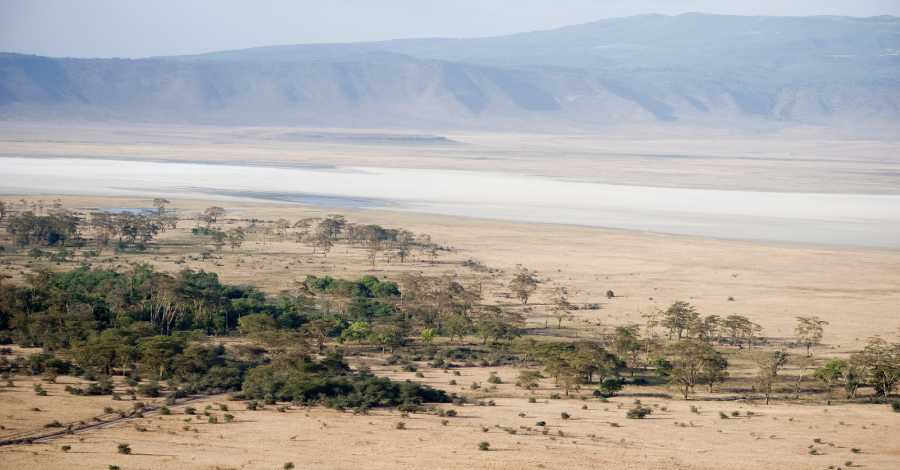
[[597, 434]]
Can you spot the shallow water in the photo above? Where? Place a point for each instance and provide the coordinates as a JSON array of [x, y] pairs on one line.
[[833, 219]]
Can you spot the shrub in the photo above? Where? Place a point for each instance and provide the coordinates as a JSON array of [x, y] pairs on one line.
[[609, 387], [190, 410], [484, 445], [288, 466], [65, 448], [451, 413], [124, 448], [150, 389], [400, 425], [228, 417], [223, 407], [565, 415], [895, 405], [638, 412], [540, 423], [53, 424], [722, 415], [213, 419], [39, 390], [165, 410], [532, 400], [494, 379]]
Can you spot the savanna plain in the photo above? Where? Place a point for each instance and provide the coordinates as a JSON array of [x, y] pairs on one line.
[[217, 332]]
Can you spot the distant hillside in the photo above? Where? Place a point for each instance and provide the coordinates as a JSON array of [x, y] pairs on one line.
[[693, 69]]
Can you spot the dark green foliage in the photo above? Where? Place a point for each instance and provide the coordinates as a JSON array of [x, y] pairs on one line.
[[330, 382], [73, 308], [609, 387], [150, 389], [368, 297], [48, 363], [45, 230]]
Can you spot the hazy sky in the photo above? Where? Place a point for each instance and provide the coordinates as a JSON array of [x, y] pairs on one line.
[[131, 28]]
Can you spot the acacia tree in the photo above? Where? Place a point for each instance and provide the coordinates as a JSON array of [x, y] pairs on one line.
[[627, 344], [160, 205], [211, 215], [561, 308], [881, 361], [494, 323], [680, 318], [768, 364], [740, 327], [695, 362], [523, 284], [809, 332], [318, 330]]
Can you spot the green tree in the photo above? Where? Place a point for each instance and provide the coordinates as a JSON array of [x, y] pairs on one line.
[[882, 364], [693, 362], [627, 344], [158, 353]]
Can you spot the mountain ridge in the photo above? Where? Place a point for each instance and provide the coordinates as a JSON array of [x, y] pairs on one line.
[[693, 69]]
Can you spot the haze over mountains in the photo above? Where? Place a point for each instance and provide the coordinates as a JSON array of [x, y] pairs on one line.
[[693, 69]]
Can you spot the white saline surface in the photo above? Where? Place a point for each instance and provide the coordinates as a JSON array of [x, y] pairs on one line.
[[834, 219]]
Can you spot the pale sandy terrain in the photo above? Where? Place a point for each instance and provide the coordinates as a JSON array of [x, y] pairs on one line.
[[775, 436]]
